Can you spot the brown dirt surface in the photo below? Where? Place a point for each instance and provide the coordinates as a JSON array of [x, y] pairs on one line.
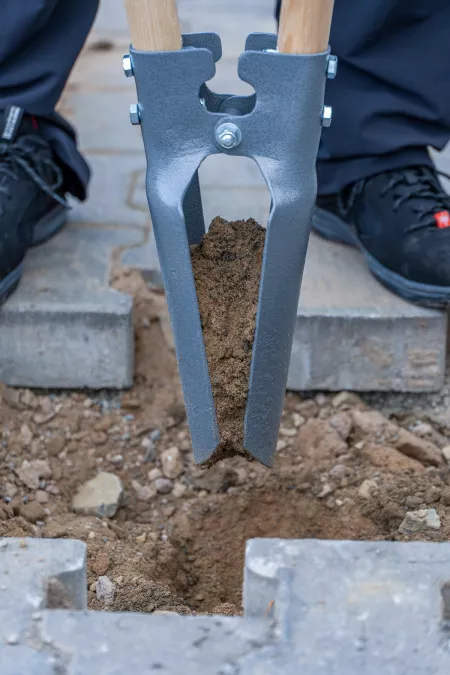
[[227, 269], [344, 469]]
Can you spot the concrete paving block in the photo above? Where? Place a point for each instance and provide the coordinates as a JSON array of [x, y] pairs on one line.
[[352, 333], [112, 192], [351, 607], [318, 607], [102, 120], [64, 326]]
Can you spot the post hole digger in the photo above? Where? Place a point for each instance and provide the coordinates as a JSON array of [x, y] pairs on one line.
[[279, 126]]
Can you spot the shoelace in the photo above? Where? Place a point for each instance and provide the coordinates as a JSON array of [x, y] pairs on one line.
[[416, 184], [25, 154]]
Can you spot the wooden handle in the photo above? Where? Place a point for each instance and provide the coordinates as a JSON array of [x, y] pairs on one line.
[[154, 25], [305, 26]]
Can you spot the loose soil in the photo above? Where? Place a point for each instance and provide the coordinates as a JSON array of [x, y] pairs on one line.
[[343, 470], [227, 269]]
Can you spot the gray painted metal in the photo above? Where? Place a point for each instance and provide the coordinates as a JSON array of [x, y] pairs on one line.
[[280, 125]]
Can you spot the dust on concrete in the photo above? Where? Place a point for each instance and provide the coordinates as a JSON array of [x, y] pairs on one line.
[[227, 269]]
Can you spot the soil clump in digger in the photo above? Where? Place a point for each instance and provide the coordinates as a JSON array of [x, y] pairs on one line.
[[227, 269]]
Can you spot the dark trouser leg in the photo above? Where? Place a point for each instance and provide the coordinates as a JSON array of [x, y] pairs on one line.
[[391, 97], [39, 43]]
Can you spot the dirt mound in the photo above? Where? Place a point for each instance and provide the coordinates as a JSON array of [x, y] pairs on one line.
[[177, 542], [227, 269]]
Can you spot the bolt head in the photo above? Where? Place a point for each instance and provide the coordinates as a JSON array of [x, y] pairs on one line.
[[135, 117], [327, 114], [332, 66], [127, 65], [228, 135]]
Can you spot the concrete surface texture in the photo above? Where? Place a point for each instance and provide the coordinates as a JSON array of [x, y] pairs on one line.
[[318, 607], [66, 328]]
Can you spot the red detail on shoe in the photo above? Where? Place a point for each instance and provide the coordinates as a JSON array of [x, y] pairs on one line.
[[442, 219], [34, 122]]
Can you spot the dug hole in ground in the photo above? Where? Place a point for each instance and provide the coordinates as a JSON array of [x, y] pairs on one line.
[[116, 469]]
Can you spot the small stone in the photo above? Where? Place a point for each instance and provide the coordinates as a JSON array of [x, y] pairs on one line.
[[10, 490], [367, 488], [99, 438], [172, 463], [320, 399], [105, 590], [41, 496], [144, 493], [129, 403], [413, 502], [432, 520], [93, 586], [281, 445], [416, 521], [25, 435], [31, 472], [446, 453], [29, 400], [141, 539], [288, 432], [104, 424], [155, 473], [338, 471], [55, 445], [100, 496], [32, 511], [346, 398], [298, 420], [100, 563], [325, 491], [91, 535], [179, 490], [52, 489], [202, 494], [163, 485], [343, 424], [117, 460], [43, 419]]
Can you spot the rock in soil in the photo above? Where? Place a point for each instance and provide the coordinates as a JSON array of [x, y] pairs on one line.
[[100, 496], [105, 590], [416, 521], [172, 463]]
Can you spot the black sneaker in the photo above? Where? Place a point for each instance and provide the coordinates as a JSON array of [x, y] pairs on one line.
[[32, 204], [401, 222]]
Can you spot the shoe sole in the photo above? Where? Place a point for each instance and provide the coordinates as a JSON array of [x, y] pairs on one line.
[[331, 227], [51, 223]]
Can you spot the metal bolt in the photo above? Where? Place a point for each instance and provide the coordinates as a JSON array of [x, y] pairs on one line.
[[228, 135], [332, 66], [327, 114], [135, 117], [127, 65]]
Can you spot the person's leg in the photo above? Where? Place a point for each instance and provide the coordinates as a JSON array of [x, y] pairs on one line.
[[39, 160], [39, 43], [378, 188], [391, 97]]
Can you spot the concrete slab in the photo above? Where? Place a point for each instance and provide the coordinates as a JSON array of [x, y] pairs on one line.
[[352, 333], [318, 607], [64, 326], [351, 607]]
